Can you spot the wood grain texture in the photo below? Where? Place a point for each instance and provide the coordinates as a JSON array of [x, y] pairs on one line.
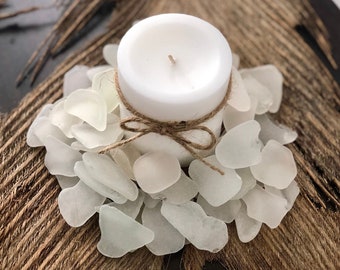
[[33, 235]]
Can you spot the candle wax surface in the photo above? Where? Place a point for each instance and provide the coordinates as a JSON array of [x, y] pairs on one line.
[[186, 88]]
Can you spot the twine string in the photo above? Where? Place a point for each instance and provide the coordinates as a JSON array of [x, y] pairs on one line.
[[143, 125]]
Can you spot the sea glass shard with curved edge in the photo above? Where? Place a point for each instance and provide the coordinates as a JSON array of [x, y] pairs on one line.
[[217, 189], [204, 232], [120, 233], [167, 239], [156, 171], [240, 147]]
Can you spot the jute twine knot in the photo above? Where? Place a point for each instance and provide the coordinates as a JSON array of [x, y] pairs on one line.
[[143, 125]]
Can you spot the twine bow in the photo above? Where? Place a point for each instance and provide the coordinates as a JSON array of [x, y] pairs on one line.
[[143, 125]]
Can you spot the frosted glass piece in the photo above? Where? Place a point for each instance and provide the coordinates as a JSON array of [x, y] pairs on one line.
[[150, 202], [79, 147], [225, 212], [265, 207], [60, 158], [182, 191], [77, 204], [272, 131], [239, 98], [247, 227], [120, 233], [270, 77], [130, 208], [67, 182], [156, 171], [104, 83], [277, 168], [290, 193], [248, 182], [259, 92], [32, 139], [206, 233], [97, 69], [167, 239], [217, 189], [40, 129], [110, 54], [240, 147], [233, 118], [92, 138], [76, 78], [104, 170], [89, 106], [125, 157], [63, 120], [85, 176], [235, 60]]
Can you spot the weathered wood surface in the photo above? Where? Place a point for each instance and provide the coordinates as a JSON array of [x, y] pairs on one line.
[[33, 235]]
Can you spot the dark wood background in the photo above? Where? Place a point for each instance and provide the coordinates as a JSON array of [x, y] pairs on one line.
[[289, 34]]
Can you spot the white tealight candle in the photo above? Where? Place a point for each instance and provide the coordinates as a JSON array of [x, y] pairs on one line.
[[174, 67]]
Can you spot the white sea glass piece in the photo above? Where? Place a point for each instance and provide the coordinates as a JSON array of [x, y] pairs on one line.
[[290, 193], [247, 227], [120, 233], [270, 77], [104, 170], [239, 98], [95, 70], [76, 78], [235, 60], [206, 233], [77, 204], [82, 172], [63, 120], [31, 139], [40, 129], [272, 131], [79, 147], [89, 106], [233, 117], [259, 92], [125, 157], [156, 171], [217, 189], [92, 138], [150, 202], [240, 147], [104, 83], [226, 212], [45, 110], [110, 54], [182, 191], [130, 208], [67, 182], [167, 239], [60, 158], [265, 207], [248, 182], [277, 167]]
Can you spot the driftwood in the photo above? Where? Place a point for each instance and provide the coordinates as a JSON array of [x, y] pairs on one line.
[[33, 235]]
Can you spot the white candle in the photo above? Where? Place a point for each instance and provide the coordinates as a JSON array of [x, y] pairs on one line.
[[174, 67]]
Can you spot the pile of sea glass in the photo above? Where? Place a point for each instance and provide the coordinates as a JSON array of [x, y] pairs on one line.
[[147, 199]]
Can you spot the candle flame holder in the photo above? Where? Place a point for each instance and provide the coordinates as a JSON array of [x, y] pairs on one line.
[[149, 199]]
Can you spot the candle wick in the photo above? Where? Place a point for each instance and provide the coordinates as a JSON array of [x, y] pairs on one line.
[[172, 59]]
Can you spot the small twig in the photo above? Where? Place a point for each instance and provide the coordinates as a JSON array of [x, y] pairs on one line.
[[81, 20], [46, 42], [22, 11]]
